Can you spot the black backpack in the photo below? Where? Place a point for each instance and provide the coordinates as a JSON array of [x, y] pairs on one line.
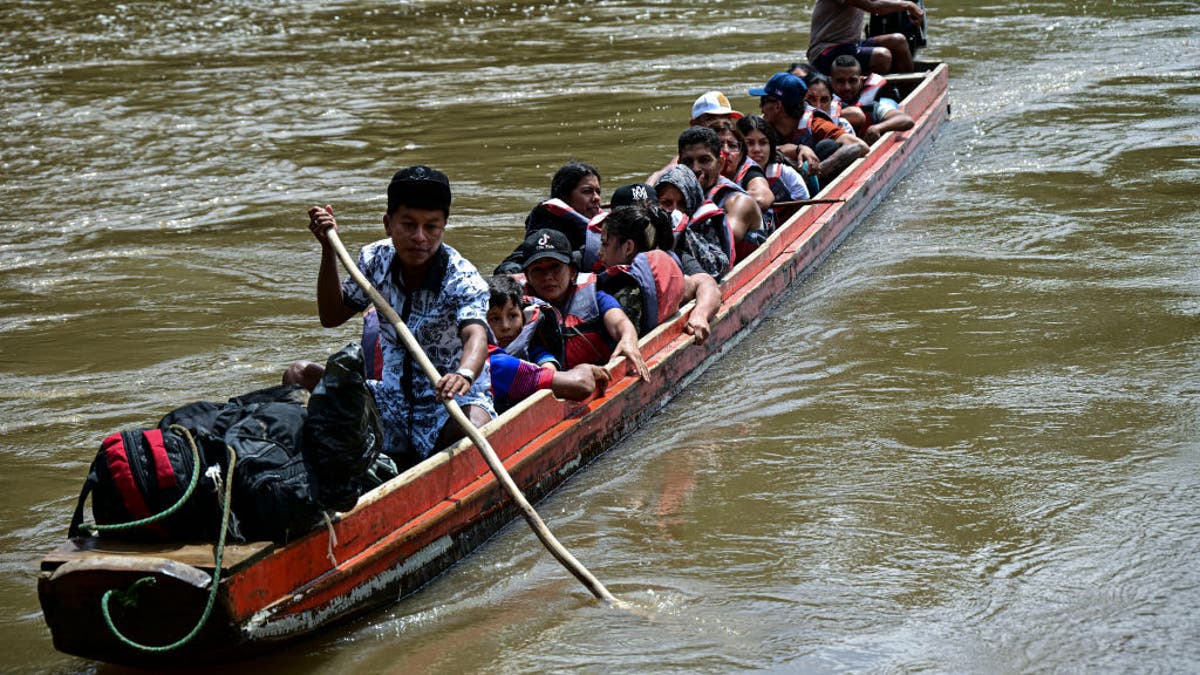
[[274, 488]]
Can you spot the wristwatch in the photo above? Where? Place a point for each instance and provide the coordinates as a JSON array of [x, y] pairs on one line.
[[466, 374]]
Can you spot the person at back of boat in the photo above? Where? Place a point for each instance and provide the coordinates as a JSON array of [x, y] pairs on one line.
[[519, 368], [837, 29], [710, 107], [807, 138], [874, 113], [739, 167], [439, 295], [648, 278], [593, 326], [574, 201], [785, 181], [700, 150], [700, 227]]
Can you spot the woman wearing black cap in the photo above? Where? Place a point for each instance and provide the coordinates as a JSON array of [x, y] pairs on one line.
[[595, 329]]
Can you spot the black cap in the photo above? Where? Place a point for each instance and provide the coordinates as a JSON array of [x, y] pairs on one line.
[[419, 187], [546, 244], [632, 194]]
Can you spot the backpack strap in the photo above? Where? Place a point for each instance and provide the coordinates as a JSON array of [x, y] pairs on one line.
[[77, 518]]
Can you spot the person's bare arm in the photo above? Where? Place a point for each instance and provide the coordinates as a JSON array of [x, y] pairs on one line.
[[580, 382], [894, 120], [621, 329], [330, 307], [707, 294], [850, 148], [915, 13], [760, 189], [799, 154], [742, 215]]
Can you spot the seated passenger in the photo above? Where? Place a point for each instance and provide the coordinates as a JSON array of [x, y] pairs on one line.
[[574, 201], [700, 227], [630, 194], [516, 376], [761, 144], [782, 103], [739, 167], [593, 326], [649, 280], [700, 151], [879, 114], [710, 107], [820, 98]]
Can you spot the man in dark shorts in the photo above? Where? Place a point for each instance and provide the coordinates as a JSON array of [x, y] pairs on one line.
[[837, 28]]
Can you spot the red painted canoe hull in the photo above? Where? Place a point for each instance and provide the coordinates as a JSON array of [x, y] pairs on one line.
[[411, 529]]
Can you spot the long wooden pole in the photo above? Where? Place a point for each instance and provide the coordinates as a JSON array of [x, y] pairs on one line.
[[414, 349]]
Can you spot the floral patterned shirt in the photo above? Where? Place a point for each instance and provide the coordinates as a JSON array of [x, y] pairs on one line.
[[452, 296]]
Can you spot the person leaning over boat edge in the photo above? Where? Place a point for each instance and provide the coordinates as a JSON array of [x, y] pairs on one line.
[[594, 327], [439, 295], [643, 268]]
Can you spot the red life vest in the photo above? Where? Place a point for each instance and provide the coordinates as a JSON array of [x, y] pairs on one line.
[[590, 253], [585, 339], [721, 191], [867, 98], [774, 173], [743, 169], [659, 275], [870, 91], [557, 215]]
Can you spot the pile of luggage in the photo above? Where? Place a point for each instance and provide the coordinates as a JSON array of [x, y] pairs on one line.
[[295, 456]]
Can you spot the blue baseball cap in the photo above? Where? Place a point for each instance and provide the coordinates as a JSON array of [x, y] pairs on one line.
[[786, 87]]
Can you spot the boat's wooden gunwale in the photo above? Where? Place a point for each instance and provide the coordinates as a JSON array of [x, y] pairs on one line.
[[407, 531]]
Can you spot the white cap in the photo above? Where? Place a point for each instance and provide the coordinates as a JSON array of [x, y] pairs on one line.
[[713, 103]]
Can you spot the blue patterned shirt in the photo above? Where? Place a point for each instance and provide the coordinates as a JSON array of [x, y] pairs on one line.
[[452, 296]]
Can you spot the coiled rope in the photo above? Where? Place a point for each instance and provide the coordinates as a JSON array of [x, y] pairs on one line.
[[128, 597]]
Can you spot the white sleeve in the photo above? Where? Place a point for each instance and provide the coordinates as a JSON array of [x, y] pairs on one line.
[[794, 182]]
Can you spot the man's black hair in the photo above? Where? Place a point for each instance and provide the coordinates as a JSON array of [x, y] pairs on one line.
[[846, 61], [700, 135]]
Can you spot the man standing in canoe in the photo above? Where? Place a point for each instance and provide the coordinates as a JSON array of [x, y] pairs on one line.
[[439, 295]]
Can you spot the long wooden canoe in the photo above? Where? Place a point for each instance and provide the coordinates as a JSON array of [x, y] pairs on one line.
[[407, 531]]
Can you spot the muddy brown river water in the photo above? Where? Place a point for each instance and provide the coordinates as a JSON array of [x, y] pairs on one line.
[[968, 443]]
